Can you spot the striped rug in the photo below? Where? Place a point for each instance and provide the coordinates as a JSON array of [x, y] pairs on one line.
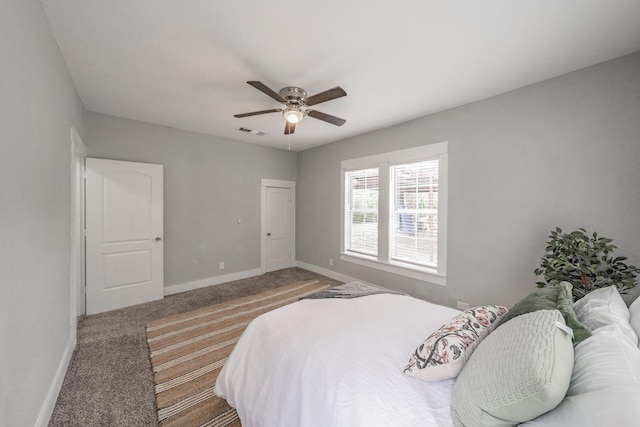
[[188, 350]]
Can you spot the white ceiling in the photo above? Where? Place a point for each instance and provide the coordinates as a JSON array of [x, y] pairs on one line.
[[185, 63]]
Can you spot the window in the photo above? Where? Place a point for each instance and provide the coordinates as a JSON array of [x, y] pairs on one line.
[[414, 232], [394, 212], [362, 211]]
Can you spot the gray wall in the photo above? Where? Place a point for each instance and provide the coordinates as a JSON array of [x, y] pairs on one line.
[[564, 152], [38, 105], [209, 183]]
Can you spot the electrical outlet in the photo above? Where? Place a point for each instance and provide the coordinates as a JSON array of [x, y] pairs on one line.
[[463, 305], [221, 265], [331, 261]]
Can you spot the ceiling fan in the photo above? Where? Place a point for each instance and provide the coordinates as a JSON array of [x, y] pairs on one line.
[[296, 105]]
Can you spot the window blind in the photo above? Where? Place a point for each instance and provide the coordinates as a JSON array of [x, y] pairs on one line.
[[414, 198], [361, 207]]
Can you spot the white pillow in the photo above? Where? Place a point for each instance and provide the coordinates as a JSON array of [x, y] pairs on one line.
[[634, 312], [605, 384], [602, 307]]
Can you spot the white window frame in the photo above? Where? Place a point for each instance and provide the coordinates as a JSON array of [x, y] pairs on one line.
[[383, 262]]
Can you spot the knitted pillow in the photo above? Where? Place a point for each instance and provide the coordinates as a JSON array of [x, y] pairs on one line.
[[443, 354], [605, 384], [520, 371]]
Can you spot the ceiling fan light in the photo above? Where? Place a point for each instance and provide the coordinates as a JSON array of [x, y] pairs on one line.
[[293, 115]]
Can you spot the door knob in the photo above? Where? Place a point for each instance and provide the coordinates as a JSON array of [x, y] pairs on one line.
[[158, 239]]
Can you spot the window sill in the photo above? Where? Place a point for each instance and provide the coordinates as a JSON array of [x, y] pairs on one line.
[[407, 270]]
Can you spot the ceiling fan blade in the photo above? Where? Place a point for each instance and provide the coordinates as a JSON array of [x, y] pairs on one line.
[[267, 90], [326, 117], [255, 113], [327, 95], [289, 128]]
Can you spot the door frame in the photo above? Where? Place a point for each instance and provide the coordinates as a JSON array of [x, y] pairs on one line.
[[77, 301], [276, 183]]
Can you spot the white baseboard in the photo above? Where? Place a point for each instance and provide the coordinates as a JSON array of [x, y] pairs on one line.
[[210, 281], [56, 385], [326, 272]]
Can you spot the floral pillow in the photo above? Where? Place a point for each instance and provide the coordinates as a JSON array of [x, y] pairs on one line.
[[443, 354]]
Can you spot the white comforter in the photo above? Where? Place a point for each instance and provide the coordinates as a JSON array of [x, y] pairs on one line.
[[337, 362]]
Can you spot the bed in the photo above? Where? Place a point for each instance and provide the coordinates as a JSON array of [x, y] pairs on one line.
[[340, 362]]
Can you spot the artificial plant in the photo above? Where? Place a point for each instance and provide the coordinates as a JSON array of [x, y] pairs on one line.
[[587, 262]]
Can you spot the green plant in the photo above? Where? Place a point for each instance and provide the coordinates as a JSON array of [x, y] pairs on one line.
[[586, 262]]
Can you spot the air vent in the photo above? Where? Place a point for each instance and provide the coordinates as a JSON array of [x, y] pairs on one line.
[[253, 132]]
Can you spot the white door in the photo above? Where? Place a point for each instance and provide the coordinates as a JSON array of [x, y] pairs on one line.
[[124, 220], [278, 228]]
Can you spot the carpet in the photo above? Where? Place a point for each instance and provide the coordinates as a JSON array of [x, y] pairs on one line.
[[188, 351]]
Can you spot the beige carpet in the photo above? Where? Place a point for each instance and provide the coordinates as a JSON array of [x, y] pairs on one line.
[[188, 350]]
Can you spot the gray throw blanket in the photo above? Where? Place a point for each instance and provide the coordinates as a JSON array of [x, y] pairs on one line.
[[352, 290]]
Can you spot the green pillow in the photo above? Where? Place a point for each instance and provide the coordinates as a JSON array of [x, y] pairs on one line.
[[517, 373], [551, 298], [565, 305], [541, 299]]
